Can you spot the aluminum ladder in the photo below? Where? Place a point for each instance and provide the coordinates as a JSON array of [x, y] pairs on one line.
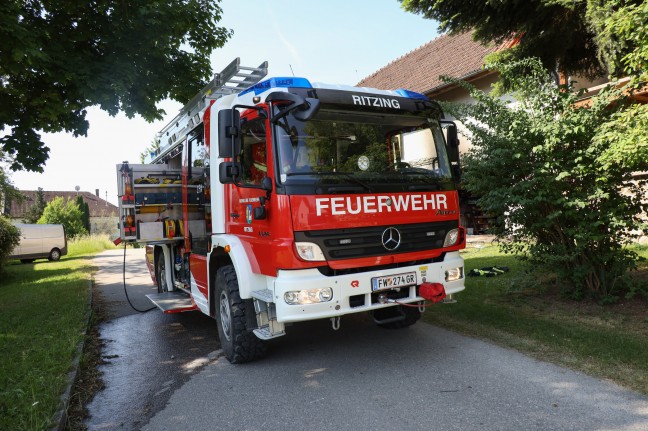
[[232, 79]]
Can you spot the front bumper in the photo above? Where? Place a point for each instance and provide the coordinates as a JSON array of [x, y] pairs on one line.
[[352, 293]]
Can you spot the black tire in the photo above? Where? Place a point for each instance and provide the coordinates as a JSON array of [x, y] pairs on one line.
[[411, 316], [54, 255], [160, 274], [238, 342]]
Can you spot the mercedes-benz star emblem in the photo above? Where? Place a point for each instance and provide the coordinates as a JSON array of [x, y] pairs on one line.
[[391, 238]]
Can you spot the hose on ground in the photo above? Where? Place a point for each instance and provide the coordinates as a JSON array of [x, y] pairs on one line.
[[126, 290]]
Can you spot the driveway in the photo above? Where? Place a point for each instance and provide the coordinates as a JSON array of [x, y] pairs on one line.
[[147, 355], [167, 374]]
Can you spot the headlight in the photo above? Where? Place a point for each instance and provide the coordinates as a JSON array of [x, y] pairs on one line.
[[309, 251], [308, 296], [451, 238], [453, 274]]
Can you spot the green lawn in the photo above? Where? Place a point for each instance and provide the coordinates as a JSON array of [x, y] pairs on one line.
[[522, 310], [44, 307]]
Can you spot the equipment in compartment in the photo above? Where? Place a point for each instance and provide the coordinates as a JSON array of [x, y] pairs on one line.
[[151, 205]]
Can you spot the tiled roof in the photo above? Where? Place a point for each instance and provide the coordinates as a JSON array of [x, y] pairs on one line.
[[97, 206], [457, 56]]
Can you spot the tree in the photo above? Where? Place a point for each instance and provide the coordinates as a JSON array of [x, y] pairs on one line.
[[574, 37], [556, 31], [58, 58], [85, 212], [621, 34], [35, 211], [9, 239], [66, 213], [541, 167], [8, 192]]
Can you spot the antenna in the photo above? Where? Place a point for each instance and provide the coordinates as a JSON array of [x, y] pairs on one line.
[[291, 69]]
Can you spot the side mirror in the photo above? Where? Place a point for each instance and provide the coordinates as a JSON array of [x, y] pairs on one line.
[[229, 137], [308, 112], [260, 213], [452, 146], [228, 172], [304, 108], [266, 184]]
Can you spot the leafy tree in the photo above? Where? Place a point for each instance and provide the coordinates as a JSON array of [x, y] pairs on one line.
[[574, 37], [35, 211], [86, 216], [9, 239], [85, 212], [621, 34], [67, 213], [8, 192], [59, 57], [556, 31], [543, 168]]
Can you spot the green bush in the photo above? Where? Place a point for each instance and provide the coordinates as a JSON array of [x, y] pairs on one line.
[[540, 166], [67, 213], [9, 239]]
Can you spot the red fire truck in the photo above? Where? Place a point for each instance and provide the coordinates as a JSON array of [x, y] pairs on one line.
[[280, 200]]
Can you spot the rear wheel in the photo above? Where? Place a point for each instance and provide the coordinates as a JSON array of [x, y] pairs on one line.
[[160, 274], [55, 254], [238, 342]]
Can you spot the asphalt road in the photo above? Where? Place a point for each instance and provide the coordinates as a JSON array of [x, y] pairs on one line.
[[358, 378], [147, 355]]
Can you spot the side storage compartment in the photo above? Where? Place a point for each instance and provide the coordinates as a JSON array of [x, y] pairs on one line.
[[150, 203]]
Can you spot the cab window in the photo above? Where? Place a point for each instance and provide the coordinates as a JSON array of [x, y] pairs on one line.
[[253, 157]]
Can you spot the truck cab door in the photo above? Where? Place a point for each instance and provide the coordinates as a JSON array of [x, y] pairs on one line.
[[255, 161], [196, 210]]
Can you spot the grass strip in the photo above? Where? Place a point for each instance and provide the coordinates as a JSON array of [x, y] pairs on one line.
[[517, 310], [44, 309]]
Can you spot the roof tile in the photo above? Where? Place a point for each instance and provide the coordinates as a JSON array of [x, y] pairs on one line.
[[457, 56]]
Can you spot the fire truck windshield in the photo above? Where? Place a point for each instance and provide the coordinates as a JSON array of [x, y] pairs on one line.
[[353, 151]]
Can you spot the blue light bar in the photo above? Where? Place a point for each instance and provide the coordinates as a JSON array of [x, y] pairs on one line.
[[278, 82], [411, 94]]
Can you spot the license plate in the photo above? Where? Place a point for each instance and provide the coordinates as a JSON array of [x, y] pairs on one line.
[[393, 281]]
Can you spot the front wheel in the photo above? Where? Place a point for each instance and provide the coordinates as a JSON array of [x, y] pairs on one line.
[[238, 342]]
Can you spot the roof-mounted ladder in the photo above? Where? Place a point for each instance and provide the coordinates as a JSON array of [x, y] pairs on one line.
[[233, 79]]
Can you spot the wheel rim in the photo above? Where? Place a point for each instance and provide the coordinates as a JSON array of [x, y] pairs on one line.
[[225, 315], [55, 255]]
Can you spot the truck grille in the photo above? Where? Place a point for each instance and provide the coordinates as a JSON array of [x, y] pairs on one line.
[[337, 244]]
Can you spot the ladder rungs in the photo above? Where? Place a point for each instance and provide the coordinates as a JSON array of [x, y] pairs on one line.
[[222, 84]]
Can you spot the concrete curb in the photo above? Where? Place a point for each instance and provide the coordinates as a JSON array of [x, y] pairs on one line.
[[60, 416]]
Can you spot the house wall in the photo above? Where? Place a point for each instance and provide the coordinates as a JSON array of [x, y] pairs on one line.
[[461, 95]]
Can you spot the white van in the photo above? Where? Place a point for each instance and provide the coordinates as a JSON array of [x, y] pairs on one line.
[[40, 241]]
